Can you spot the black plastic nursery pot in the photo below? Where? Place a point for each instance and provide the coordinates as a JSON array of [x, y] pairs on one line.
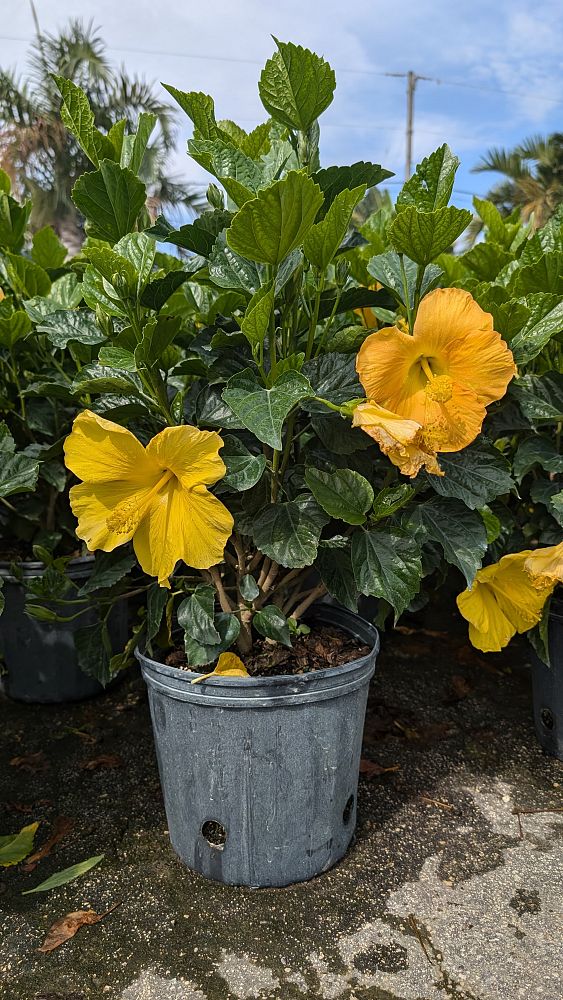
[[260, 775], [547, 686], [39, 660]]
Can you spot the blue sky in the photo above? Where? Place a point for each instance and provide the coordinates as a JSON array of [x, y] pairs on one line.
[[504, 59]]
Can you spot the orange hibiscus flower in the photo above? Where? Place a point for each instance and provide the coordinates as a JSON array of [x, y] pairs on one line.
[[444, 375]]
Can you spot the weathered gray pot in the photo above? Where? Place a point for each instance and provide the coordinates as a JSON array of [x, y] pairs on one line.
[[269, 765], [547, 686], [39, 658]]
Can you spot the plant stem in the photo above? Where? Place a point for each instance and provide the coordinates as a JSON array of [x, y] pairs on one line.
[[406, 293], [314, 319], [310, 599]]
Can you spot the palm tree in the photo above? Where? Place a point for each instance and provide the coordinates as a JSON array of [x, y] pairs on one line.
[[534, 177], [43, 159]]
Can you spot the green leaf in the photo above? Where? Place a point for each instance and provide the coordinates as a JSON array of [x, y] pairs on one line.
[[25, 277], [333, 180], [338, 436], [460, 532], [272, 623], [228, 627], [67, 875], [78, 325], [332, 376], [390, 499], [256, 321], [537, 450], [199, 107], [249, 589], [109, 569], [386, 268], [422, 236], [102, 378], [139, 249], [110, 198], [13, 221], [78, 118], [14, 328], [334, 566], [158, 335], [157, 599], [545, 321], [296, 86], [493, 525], [198, 236], [93, 651], [270, 226], [289, 532], [159, 290], [228, 270], [134, 147], [96, 295], [540, 397], [47, 250], [342, 493], [501, 232], [14, 849], [550, 494], [196, 616], [544, 275], [324, 238], [387, 564], [431, 185], [243, 468], [261, 410], [476, 475], [487, 260], [18, 475]]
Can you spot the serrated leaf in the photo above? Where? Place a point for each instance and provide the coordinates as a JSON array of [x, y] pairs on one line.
[[272, 623], [540, 397], [388, 565], [102, 378], [229, 270], [431, 185], [270, 226], [550, 494], [159, 290], [65, 876], [199, 107], [545, 322], [422, 236], [196, 616], [228, 627], [110, 198], [158, 335], [47, 250], [486, 260], [332, 376], [342, 493], [78, 118], [545, 275], [199, 236], [296, 86], [140, 250], [256, 321], [289, 532], [18, 475], [537, 450], [324, 238], [333, 180], [93, 651], [390, 499], [134, 147], [386, 268], [460, 532], [78, 325], [13, 328], [109, 569], [14, 849], [261, 410], [25, 278], [243, 468], [476, 475], [334, 566], [248, 587]]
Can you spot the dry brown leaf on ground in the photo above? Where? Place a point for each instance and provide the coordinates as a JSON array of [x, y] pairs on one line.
[[61, 826], [108, 760], [460, 688], [371, 769], [31, 761], [65, 928]]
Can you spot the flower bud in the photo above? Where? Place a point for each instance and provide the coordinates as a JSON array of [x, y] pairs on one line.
[[215, 197]]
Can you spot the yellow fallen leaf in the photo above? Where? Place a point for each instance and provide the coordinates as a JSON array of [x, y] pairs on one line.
[[228, 665]]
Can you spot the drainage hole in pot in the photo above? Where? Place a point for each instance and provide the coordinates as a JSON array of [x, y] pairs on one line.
[[547, 718], [348, 809], [214, 833]]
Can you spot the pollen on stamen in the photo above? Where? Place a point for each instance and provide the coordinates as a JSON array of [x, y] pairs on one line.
[[124, 518], [439, 388]]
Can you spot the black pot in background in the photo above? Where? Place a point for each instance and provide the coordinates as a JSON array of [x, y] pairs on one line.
[[547, 686], [39, 658]]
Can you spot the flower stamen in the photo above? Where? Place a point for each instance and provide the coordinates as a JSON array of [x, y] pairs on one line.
[[127, 515]]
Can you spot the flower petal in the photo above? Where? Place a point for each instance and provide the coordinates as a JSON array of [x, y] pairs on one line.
[[191, 454], [452, 425], [452, 328], [192, 525], [98, 450], [398, 438], [94, 506], [545, 565], [489, 628], [387, 365]]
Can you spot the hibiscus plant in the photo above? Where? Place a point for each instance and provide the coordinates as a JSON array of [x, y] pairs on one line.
[[293, 401]]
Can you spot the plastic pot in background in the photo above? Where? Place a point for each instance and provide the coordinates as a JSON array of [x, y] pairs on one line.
[[38, 657], [260, 775], [547, 686]]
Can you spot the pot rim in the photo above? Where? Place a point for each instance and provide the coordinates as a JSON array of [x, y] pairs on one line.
[[326, 613], [34, 567]]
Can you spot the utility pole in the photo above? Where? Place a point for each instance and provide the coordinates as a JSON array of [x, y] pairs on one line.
[[412, 80]]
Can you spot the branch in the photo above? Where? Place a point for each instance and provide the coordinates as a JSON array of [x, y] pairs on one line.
[[306, 603], [224, 600]]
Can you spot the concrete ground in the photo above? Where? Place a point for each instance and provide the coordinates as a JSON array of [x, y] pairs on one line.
[[452, 889]]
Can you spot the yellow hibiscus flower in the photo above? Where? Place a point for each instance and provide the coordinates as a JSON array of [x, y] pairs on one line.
[[509, 596], [156, 495], [400, 439], [445, 374]]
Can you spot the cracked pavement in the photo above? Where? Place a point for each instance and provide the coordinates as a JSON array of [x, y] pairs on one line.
[[452, 888]]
